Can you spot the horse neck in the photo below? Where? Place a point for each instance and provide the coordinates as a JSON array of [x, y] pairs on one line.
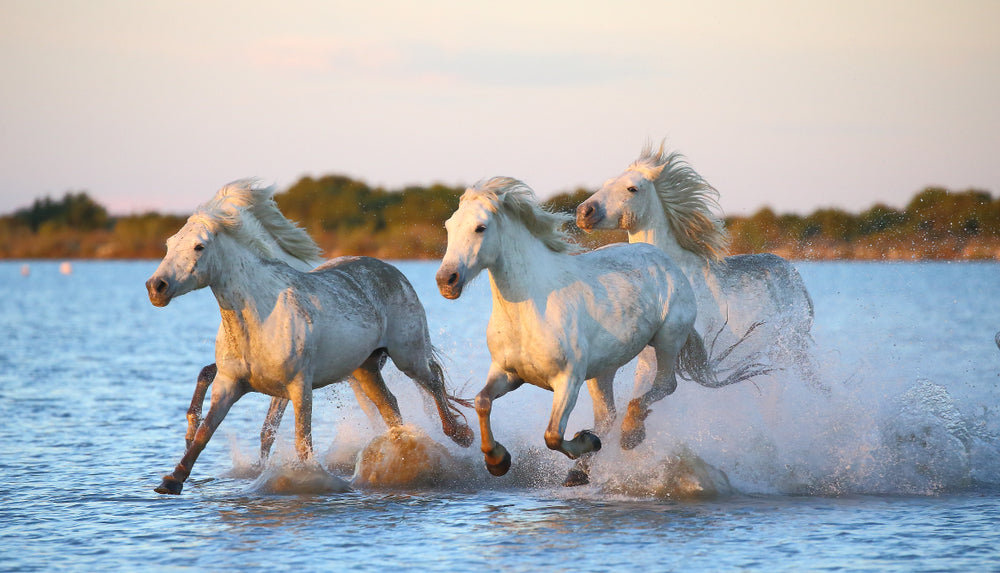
[[245, 283], [655, 230], [524, 268], [293, 261]]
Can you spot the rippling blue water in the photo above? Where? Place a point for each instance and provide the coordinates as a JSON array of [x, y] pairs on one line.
[[895, 468]]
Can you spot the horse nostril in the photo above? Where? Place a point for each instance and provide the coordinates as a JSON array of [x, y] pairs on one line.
[[452, 279], [159, 286], [588, 210]]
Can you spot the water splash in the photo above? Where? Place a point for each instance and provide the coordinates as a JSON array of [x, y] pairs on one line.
[[406, 457], [297, 479], [682, 475]]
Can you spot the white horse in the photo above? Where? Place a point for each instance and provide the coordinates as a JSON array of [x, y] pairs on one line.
[[285, 332], [281, 240], [662, 201], [558, 319]]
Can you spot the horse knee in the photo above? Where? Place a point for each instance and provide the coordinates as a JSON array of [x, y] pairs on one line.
[[554, 440], [483, 405]]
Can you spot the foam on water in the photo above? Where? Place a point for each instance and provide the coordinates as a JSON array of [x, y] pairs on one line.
[[405, 457], [858, 431], [297, 479], [882, 417]]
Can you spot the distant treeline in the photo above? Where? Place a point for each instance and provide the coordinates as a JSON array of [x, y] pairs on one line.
[[346, 216]]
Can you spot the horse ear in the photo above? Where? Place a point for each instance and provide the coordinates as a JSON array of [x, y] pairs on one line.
[[655, 171]]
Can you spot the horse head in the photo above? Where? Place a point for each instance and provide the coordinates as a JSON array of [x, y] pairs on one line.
[[622, 203], [660, 192], [472, 246], [186, 265]]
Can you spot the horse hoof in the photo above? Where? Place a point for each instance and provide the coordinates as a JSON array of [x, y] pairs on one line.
[[576, 477], [500, 468], [463, 436], [170, 485], [591, 442]]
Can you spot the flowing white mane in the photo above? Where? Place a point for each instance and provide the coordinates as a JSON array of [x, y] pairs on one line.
[[249, 213], [512, 198], [688, 202]]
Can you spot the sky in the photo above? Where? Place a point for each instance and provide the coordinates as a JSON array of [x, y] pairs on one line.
[[796, 105]]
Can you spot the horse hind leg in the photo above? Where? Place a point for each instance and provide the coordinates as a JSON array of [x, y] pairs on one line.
[[666, 346], [368, 377], [424, 369]]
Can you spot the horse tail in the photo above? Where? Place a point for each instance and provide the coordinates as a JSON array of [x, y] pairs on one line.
[[694, 363], [434, 362]]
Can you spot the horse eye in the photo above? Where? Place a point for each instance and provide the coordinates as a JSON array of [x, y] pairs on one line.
[[199, 247], [480, 228], [632, 189]]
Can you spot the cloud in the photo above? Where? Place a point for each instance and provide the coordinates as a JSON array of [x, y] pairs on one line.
[[420, 61]]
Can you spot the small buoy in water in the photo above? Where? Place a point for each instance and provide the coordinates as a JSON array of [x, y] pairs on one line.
[[404, 457], [682, 476], [997, 339], [26, 271], [66, 268]]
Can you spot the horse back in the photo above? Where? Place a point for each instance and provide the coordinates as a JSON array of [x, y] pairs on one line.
[[652, 286], [379, 289], [769, 276], [375, 279]]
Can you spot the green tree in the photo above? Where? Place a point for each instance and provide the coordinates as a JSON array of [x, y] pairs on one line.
[[830, 224], [74, 211]]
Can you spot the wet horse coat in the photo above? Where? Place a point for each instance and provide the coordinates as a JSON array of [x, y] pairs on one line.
[[285, 332], [560, 319], [661, 201]]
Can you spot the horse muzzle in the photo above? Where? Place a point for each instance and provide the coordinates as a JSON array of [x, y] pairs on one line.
[[589, 215], [450, 282], [159, 291]]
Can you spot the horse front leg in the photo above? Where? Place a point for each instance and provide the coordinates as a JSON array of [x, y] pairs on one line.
[[565, 389], [602, 394], [225, 393], [300, 393], [205, 378], [498, 383], [269, 430]]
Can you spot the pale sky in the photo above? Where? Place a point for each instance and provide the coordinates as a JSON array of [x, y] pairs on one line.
[[792, 104]]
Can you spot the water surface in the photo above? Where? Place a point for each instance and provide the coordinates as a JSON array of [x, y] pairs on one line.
[[895, 467]]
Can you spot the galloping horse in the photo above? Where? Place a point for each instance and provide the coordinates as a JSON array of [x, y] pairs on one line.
[[559, 319], [662, 201], [281, 240], [285, 332]]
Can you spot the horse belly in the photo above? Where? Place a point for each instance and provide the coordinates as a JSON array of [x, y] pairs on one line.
[[533, 359], [341, 353]]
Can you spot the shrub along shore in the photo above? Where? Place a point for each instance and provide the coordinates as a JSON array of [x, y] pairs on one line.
[[346, 216]]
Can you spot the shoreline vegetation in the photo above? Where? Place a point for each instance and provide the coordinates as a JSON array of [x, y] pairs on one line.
[[347, 217]]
